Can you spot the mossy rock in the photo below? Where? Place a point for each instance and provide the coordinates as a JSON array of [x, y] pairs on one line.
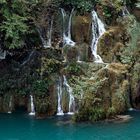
[[50, 53], [70, 53], [106, 89], [65, 101], [81, 28], [111, 44]]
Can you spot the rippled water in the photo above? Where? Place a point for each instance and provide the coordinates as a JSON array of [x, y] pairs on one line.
[[23, 127]]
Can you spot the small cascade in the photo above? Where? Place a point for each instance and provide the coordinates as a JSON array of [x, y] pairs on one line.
[[59, 101], [82, 94], [125, 11], [71, 97], [32, 106], [131, 106], [47, 43], [2, 54], [67, 28], [78, 59], [28, 58], [10, 105], [98, 30]]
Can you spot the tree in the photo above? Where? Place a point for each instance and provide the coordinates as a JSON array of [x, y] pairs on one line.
[[14, 23]]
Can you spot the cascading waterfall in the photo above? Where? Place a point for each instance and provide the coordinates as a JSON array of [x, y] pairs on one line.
[[98, 30], [47, 43], [32, 106], [49, 34], [67, 31], [10, 105], [59, 100], [71, 97]]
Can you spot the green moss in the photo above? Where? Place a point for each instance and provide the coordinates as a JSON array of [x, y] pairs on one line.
[[73, 68], [49, 66], [90, 114]]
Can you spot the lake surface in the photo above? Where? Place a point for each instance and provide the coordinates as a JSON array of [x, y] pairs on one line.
[[19, 126]]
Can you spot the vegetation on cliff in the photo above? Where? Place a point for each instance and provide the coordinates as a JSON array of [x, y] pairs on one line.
[[100, 90]]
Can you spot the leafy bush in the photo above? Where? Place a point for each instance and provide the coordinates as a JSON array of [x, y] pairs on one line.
[[17, 21], [74, 68], [81, 5], [130, 53]]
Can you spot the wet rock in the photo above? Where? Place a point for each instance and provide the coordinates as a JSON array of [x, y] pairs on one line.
[[81, 28], [70, 53], [136, 12]]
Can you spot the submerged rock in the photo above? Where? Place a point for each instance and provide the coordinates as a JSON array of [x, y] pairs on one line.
[[119, 119]]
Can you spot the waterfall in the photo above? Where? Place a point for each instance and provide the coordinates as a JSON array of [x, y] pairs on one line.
[[50, 34], [28, 58], [69, 24], [59, 101], [47, 43], [10, 105], [2, 54], [67, 32], [125, 11], [78, 59], [98, 30], [71, 97], [32, 106]]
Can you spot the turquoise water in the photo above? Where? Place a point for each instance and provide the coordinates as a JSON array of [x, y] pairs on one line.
[[23, 127]]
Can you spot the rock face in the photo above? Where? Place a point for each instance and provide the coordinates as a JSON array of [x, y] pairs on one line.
[[111, 44], [81, 28]]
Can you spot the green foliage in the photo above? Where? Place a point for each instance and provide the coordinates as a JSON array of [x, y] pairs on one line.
[[107, 12], [14, 28], [89, 114], [15, 23], [49, 66], [130, 53], [73, 68], [42, 104], [40, 86], [81, 5], [111, 112]]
